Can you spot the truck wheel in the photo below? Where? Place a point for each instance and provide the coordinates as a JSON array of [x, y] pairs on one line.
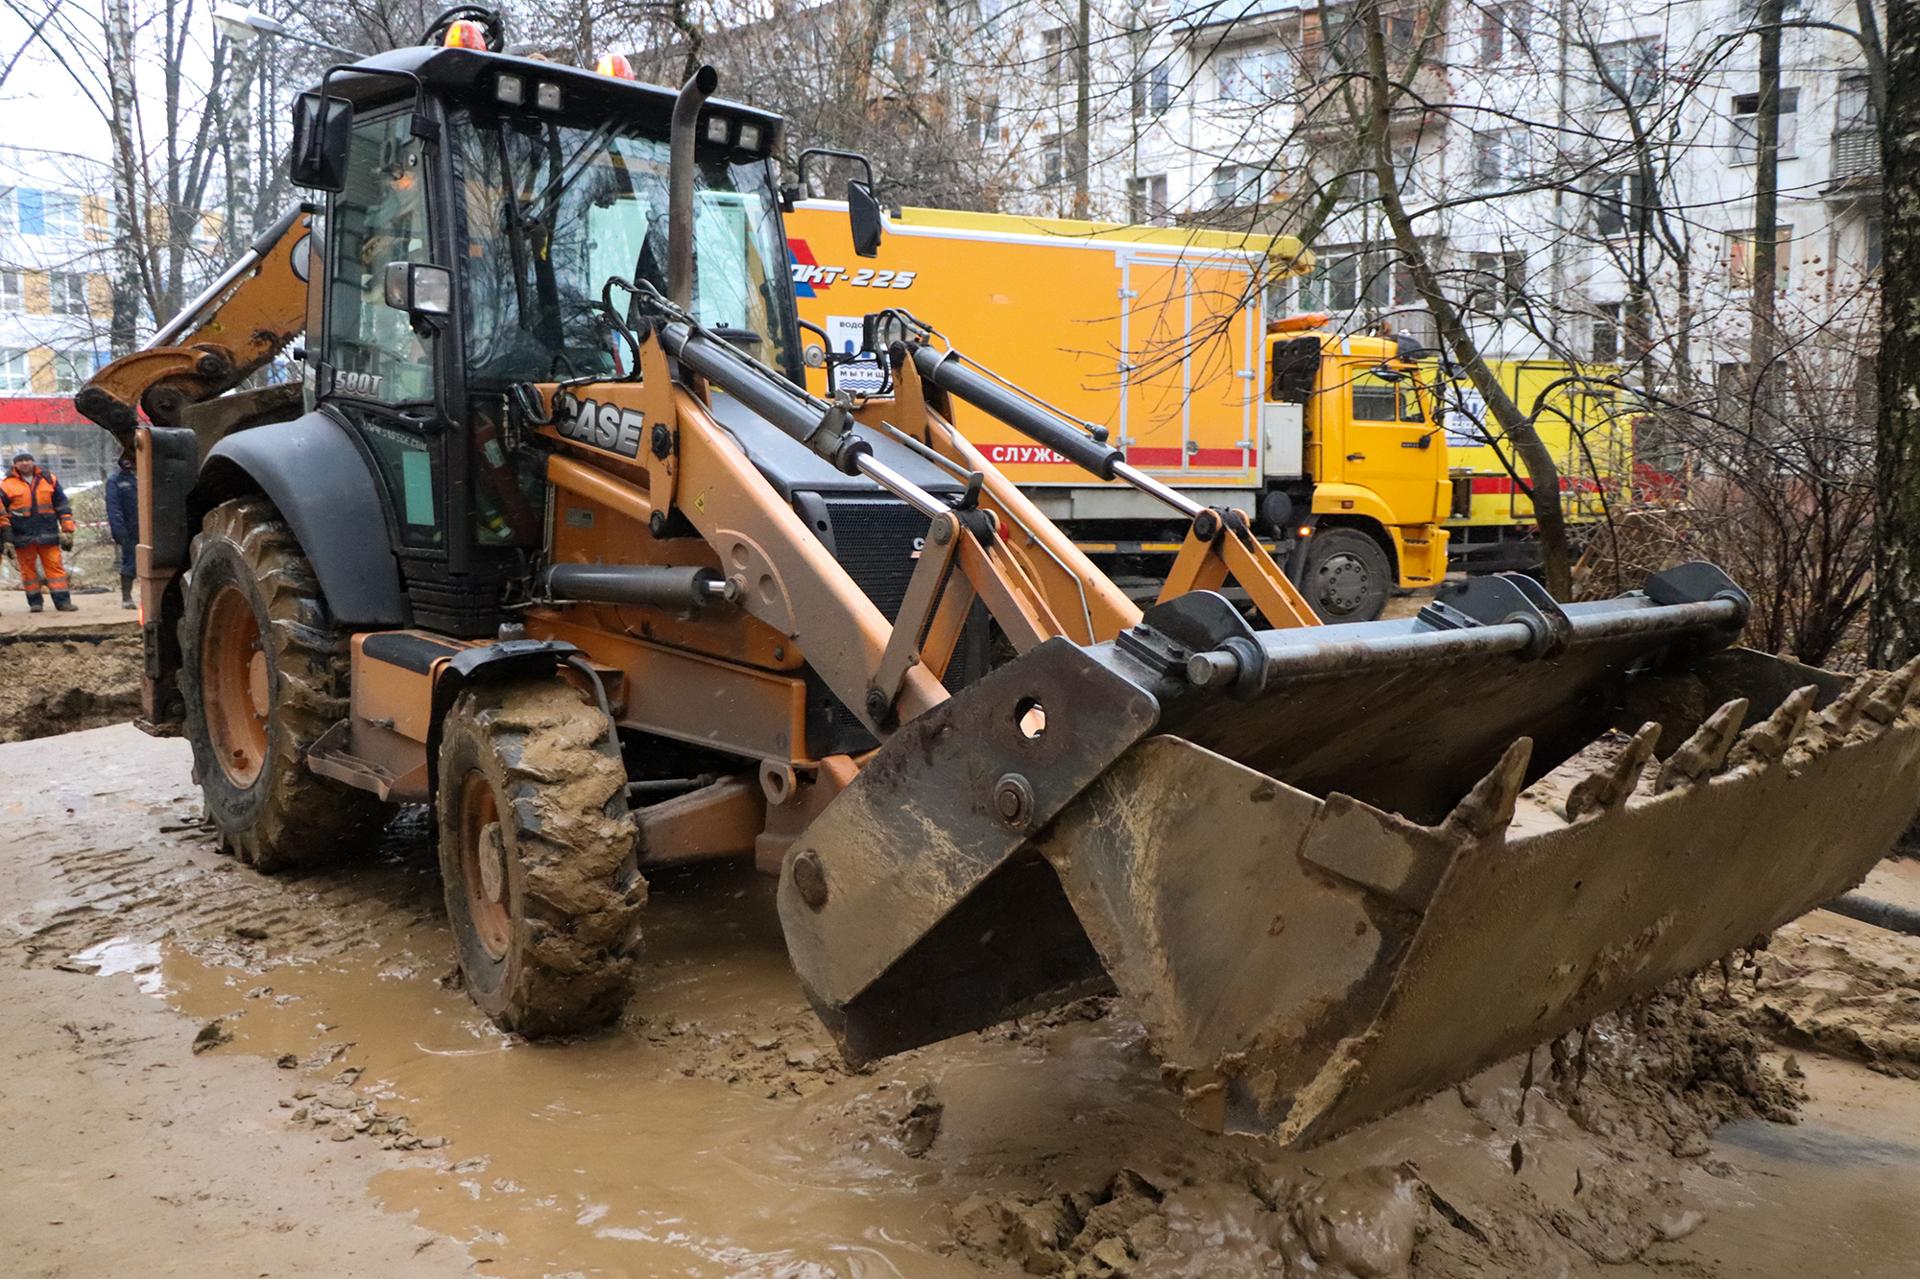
[[1346, 577], [537, 857], [263, 675]]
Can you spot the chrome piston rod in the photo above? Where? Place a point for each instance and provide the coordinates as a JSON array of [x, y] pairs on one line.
[[1303, 654]]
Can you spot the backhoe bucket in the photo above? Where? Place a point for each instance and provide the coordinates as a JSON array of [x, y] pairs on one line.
[[1337, 868]]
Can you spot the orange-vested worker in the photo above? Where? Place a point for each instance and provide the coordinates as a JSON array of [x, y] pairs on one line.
[[37, 521]]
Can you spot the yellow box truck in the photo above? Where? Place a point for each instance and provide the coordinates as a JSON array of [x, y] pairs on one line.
[[1159, 336], [1589, 428]]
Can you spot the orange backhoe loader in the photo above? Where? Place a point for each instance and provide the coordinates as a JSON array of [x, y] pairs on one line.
[[551, 536]]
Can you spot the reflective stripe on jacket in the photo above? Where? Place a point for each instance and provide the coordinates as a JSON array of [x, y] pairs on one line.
[[34, 511]]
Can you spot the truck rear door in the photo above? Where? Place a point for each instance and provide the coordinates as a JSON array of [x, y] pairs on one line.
[[1190, 331]]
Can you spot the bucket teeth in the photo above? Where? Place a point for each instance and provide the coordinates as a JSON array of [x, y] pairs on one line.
[[1846, 709], [1609, 786], [1704, 752], [1890, 698], [1768, 740], [1488, 807]]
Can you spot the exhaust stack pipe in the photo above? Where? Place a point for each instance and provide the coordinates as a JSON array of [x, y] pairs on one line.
[[681, 137]]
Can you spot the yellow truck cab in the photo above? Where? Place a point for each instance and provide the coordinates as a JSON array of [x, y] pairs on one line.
[[1159, 337]]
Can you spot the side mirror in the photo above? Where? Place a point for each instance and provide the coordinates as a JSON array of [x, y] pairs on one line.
[[322, 131], [863, 212], [424, 292]]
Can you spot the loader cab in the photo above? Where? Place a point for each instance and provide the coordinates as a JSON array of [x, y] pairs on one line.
[[483, 204]]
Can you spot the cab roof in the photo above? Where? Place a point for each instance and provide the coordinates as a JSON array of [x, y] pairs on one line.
[[471, 74]]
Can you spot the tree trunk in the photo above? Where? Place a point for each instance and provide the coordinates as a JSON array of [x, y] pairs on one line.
[[1896, 595], [1766, 215], [1083, 111], [1536, 459], [124, 331]]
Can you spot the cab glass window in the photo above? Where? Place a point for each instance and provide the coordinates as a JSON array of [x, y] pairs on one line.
[[381, 217], [1376, 399]]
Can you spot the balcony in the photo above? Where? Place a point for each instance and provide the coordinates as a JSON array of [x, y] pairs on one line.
[[1854, 162]]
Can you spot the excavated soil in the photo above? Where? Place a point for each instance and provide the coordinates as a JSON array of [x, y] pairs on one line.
[[56, 685], [301, 1036], [1834, 985]]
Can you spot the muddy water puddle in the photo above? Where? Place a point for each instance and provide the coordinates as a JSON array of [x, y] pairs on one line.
[[703, 1136]]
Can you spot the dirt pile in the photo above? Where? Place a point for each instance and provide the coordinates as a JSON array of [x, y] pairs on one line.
[[1570, 1157], [1829, 984], [63, 685]]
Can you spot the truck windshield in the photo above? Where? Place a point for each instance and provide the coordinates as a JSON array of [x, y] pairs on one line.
[[553, 211]]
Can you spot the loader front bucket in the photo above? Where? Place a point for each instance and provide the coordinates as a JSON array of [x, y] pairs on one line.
[[1335, 869]]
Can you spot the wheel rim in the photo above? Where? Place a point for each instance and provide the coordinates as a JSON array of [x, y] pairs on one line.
[[234, 686], [1343, 582], [483, 870]]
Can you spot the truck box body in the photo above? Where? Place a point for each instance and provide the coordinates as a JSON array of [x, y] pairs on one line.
[[1588, 430], [1058, 307], [1158, 335]]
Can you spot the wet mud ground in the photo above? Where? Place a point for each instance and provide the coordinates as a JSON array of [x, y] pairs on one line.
[[209, 1072]]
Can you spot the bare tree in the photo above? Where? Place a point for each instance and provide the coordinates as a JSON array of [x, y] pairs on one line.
[[1897, 559]]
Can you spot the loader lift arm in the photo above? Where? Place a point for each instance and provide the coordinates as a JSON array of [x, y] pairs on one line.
[[236, 326]]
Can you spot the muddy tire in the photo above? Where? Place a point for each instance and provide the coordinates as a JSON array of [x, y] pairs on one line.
[[263, 675], [1347, 576], [537, 857]]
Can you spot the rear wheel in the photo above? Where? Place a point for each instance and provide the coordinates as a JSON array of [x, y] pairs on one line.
[[537, 857], [1347, 577], [263, 675]]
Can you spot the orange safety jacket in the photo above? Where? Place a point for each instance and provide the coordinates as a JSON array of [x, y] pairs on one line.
[[34, 511]]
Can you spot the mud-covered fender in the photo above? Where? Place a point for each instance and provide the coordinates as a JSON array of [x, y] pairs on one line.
[[327, 492], [524, 659]]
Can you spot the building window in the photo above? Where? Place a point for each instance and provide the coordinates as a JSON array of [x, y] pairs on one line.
[[1251, 76], [1499, 157], [71, 369], [47, 212], [1237, 185], [1876, 241], [1057, 51], [1617, 203], [1746, 125], [1497, 282], [14, 373], [1631, 71], [983, 122], [12, 291], [67, 292], [1153, 91], [1606, 333], [1740, 246], [1349, 277], [1504, 29], [1147, 199], [1853, 106], [1053, 158]]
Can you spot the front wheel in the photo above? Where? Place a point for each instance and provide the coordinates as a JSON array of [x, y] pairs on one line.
[[264, 673], [537, 857], [1347, 576]]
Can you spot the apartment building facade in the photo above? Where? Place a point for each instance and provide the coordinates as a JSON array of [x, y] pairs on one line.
[[1583, 180], [55, 307]]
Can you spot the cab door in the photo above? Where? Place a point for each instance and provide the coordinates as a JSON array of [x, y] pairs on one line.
[[375, 371], [1389, 446]]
